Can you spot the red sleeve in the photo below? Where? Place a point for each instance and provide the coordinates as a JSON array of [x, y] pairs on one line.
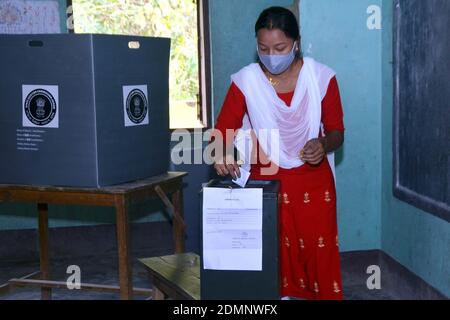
[[233, 111], [332, 114]]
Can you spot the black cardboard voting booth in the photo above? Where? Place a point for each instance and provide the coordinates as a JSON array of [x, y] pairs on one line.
[[83, 110], [248, 285]]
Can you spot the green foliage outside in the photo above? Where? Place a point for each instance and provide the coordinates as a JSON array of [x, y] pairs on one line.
[[175, 19]]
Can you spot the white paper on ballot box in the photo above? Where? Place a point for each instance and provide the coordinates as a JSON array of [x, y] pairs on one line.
[[232, 229]]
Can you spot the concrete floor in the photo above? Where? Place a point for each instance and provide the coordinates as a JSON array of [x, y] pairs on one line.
[[94, 270], [101, 269]]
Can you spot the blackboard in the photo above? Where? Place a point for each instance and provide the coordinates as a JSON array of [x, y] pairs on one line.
[[422, 104]]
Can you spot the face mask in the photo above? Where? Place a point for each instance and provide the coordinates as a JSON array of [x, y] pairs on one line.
[[277, 64]]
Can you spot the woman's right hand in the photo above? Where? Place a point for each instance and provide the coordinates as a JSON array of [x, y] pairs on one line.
[[227, 166]]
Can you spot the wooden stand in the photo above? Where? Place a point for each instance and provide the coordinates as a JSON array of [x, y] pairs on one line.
[[176, 276], [120, 197]]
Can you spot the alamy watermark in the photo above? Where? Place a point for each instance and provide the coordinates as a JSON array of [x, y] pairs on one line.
[[69, 21], [74, 280], [374, 281], [189, 148], [374, 20]]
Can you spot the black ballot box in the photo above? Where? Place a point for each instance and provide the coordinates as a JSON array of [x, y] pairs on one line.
[[247, 285], [83, 110]]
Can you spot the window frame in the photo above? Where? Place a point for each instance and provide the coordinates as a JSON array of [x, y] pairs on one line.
[[204, 101], [204, 44]]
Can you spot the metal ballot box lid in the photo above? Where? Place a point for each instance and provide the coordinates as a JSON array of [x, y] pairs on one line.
[[248, 285]]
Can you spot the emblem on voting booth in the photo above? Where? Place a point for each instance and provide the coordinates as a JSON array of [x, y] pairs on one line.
[[40, 106], [135, 105]]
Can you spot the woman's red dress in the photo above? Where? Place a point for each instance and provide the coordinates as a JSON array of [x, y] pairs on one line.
[[309, 246]]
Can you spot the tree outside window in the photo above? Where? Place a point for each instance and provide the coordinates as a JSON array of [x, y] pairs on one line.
[[175, 19]]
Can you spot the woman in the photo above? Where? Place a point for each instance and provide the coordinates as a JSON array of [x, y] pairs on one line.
[[300, 98]]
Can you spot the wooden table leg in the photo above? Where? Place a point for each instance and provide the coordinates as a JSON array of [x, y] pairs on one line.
[[124, 248], [46, 293], [158, 294], [178, 229]]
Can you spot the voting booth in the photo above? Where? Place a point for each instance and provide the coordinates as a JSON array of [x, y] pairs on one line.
[[83, 110], [239, 254]]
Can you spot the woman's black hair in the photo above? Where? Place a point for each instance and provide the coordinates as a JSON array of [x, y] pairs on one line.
[[279, 18]]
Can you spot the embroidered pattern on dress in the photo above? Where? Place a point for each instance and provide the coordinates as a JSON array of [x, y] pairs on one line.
[[306, 198], [286, 242], [321, 242], [336, 287], [302, 243], [327, 196], [302, 284], [286, 198], [316, 287]]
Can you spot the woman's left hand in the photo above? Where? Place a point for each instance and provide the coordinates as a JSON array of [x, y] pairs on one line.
[[313, 152]]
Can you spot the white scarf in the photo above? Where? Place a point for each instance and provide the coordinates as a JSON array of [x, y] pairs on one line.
[[294, 126]]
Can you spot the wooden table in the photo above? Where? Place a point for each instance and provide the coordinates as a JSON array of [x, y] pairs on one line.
[[176, 276], [120, 197]]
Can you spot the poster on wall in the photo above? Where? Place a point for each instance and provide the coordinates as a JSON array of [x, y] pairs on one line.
[[30, 17]]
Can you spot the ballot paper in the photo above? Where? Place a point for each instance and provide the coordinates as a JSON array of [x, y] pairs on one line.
[[243, 143], [242, 181], [232, 229]]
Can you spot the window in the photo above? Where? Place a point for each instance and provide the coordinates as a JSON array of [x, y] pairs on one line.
[[185, 22]]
